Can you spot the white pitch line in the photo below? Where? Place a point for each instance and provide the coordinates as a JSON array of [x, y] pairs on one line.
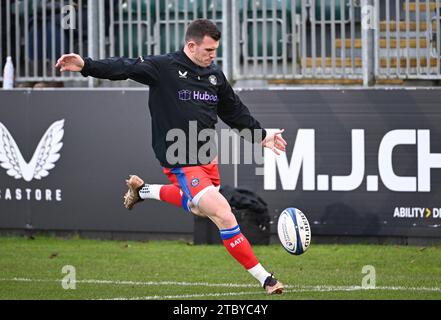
[[217, 294], [197, 295], [299, 290], [139, 283], [294, 288]]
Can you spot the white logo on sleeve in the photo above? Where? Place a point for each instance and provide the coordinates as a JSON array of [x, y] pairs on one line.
[[46, 154]]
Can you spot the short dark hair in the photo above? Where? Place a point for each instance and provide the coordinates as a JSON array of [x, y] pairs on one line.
[[200, 28]]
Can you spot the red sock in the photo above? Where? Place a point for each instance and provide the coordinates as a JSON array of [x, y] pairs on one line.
[[172, 194], [239, 247]]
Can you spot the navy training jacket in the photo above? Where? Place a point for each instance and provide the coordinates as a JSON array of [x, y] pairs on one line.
[[183, 96]]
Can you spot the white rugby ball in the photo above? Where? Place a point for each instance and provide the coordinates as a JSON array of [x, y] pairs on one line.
[[294, 231]]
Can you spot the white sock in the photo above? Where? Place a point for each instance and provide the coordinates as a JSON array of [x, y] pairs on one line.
[[150, 191], [259, 273]]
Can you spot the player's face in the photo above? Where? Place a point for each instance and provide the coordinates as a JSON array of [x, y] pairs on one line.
[[204, 52]]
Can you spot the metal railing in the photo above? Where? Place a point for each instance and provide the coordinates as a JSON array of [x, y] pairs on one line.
[[297, 39], [408, 39], [36, 33], [263, 39]]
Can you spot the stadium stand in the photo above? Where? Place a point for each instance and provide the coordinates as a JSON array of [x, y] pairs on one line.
[[131, 26], [280, 42]]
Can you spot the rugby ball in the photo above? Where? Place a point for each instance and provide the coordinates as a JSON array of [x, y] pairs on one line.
[[294, 231]]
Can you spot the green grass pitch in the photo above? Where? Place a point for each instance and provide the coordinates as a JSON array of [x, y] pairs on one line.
[[33, 269]]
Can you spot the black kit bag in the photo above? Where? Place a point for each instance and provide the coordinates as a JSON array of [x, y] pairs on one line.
[[251, 213]]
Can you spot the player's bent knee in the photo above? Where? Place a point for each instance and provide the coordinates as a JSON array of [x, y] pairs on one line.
[[229, 219], [216, 207]]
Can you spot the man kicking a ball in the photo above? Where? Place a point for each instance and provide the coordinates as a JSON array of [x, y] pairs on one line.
[[186, 86]]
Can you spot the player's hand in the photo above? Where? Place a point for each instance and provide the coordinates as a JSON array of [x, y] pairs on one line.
[[275, 142], [70, 62]]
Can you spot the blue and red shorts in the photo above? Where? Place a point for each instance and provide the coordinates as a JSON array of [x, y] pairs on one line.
[[194, 181]]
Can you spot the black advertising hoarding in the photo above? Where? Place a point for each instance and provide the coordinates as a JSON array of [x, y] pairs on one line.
[[358, 162], [105, 137]]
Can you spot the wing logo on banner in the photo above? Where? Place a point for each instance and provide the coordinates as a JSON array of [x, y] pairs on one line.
[[43, 160]]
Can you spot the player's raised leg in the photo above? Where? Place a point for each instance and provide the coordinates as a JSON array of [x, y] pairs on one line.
[[208, 202], [139, 191]]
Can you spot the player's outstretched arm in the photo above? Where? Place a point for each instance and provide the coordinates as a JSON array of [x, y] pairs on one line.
[[115, 68], [70, 62], [274, 141]]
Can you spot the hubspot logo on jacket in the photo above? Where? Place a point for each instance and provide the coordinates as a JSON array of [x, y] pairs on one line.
[[186, 95]]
